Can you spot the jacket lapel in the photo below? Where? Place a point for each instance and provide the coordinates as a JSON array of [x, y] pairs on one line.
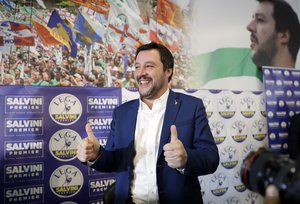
[[173, 104]]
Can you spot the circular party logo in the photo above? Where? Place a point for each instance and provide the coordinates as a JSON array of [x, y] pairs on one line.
[[63, 144], [226, 107], [65, 109], [219, 184], [66, 181]]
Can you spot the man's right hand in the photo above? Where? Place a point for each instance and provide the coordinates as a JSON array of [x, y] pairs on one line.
[[89, 147]]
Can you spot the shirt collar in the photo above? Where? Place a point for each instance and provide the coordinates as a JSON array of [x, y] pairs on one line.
[[163, 100]]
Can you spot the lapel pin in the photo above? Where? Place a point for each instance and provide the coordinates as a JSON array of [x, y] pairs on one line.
[[175, 102]]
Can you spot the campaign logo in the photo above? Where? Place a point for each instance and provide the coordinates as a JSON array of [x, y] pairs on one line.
[[259, 130], [269, 93], [283, 135], [276, 72], [23, 172], [102, 104], [290, 104], [219, 132], [247, 107], [65, 109], [288, 83], [229, 157], [272, 136], [23, 127], [233, 200], [239, 131], [279, 93], [100, 124], [269, 82], [237, 182], [281, 114], [226, 107], [66, 181], [24, 194], [276, 147], [273, 125], [270, 114], [98, 186], [267, 72], [24, 149], [63, 144], [24, 104], [253, 198], [278, 82], [295, 74], [219, 184]]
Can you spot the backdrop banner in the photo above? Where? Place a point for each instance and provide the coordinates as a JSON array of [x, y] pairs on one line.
[[282, 94], [40, 130]]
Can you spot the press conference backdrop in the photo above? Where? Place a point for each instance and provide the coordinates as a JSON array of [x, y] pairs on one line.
[[41, 127], [282, 92]]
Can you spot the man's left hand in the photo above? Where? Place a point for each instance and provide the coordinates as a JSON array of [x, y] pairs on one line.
[[174, 152]]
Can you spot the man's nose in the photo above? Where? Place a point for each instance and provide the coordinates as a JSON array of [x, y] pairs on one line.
[[142, 71], [251, 26]]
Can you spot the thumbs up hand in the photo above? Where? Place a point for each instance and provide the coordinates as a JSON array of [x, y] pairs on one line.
[[89, 147], [175, 154]]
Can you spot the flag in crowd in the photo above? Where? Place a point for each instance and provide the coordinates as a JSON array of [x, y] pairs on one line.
[[8, 3], [100, 6], [62, 33], [86, 26], [44, 33], [116, 23], [163, 34], [18, 34], [170, 13]]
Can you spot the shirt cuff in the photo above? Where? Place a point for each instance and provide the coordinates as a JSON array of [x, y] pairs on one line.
[[90, 163]]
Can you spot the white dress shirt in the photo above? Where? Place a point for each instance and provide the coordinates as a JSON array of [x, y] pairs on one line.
[[147, 137]]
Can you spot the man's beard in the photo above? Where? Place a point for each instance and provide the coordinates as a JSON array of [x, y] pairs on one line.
[[265, 53], [153, 90]]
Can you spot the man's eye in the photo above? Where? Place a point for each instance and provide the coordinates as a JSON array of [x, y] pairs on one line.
[[260, 19], [149, 66]]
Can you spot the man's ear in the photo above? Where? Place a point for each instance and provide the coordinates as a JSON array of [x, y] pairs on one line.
[[284, 37], [169, 71]]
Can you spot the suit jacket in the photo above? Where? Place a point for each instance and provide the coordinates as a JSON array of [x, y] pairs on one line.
[[189, 116]]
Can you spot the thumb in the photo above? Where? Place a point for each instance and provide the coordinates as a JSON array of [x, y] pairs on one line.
[[90, 132], [174, 136]]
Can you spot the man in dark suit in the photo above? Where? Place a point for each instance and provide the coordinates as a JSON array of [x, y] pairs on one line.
[[158, 144]]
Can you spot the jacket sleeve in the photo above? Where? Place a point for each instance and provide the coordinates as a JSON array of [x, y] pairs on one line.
[[203, 156]]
